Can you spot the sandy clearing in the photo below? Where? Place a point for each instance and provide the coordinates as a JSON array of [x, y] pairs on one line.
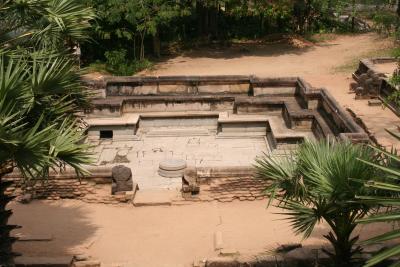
[[155, 236]]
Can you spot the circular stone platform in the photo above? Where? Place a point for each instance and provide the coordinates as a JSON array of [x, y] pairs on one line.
[[172, 168]]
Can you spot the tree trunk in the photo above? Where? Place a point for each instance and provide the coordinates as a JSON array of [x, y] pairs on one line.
[[206, 27], [353, 15], [199, 13], [156, 45], [134, 47], [342, 241], [141, 56], [262, 24], [6, 241], [398, 8], [398, 15]]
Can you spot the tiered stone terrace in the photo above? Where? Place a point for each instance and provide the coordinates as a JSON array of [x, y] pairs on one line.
[[217, 124], [210, 121]]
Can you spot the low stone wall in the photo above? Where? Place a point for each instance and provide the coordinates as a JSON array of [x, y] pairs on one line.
[[95, 188], [384, 88], [222, 184], [230, 189]]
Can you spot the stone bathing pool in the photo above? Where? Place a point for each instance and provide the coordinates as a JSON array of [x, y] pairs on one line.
[[212, 127], [212, 122]]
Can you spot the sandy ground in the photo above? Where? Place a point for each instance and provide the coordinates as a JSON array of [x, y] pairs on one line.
[[156, 236], [317, 64], [386, 68], [175, 236]]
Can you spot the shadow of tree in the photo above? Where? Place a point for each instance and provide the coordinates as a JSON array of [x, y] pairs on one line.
[[67, 224], [238, 50], [247, 50]]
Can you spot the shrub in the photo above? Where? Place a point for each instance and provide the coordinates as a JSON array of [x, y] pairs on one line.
[[385, 22], [117, 63]]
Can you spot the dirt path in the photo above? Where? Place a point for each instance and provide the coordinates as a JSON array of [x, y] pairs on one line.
[[169, 236], [316, 64]]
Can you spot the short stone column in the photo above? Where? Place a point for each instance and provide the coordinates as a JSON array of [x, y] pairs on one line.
[[172, 168]]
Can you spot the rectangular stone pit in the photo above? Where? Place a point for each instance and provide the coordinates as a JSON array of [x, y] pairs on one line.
[[217, 124], [215, 121]]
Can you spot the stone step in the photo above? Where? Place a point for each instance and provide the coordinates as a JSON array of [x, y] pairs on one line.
[[154, 198], [282, 152], [43, 261], [374, 102], [236, 135], [178, 132]]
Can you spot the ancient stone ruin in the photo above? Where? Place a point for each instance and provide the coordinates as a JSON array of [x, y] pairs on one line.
[[372, 81], [197, 134], [121, 179]]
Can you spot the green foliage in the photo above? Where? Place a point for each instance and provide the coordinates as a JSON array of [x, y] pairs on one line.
[[44, 24], [389, 196], [40, 88], [40, 94], [385, 22], [116, 58], [319, 183], [139, 26], [395, 97], [118, 63]]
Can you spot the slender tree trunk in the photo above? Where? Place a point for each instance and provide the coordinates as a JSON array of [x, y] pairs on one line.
[[353, 19], [398, 8], [141, 57], [398, 15], [6, 241], [216, 31], [200, 17], [134, 47], [206, 21], [262, 23], [156, 45], [342, 241]]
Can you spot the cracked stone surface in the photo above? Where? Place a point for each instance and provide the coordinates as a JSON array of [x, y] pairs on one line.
[[145, 155]]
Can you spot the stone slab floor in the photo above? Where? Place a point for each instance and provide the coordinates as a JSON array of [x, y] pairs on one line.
[[144, 156]]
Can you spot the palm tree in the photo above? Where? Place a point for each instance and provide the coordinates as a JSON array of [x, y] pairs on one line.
[[389, 197], [316, 184], [50, 24], [40, 95]]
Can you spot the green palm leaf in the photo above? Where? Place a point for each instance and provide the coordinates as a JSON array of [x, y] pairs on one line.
[[389, 168]]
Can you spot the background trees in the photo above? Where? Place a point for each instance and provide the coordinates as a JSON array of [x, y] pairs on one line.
[[143, 28]]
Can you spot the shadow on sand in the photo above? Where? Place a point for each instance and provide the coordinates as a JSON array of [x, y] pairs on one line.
[[238, 50], [66, 224]]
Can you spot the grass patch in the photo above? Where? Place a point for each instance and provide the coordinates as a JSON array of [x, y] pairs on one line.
[[352, 64], [120, 69], [320, 37], [97, 66]]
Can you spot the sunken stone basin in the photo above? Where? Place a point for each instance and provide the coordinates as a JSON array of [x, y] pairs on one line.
[[172, 168]]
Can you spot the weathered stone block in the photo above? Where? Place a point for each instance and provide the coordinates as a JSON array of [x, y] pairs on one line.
[[145, 90], [122, 179], [172, 89], [90, 263], [242, 88], [44, 261]]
